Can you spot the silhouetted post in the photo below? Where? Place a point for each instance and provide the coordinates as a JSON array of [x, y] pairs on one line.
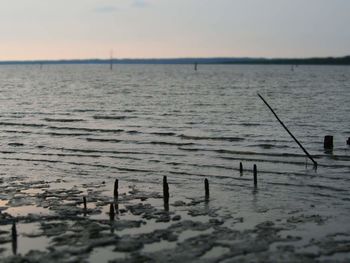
[[116, 183], [14, 238], [195, 66], [348, 141], [255, 171], [166, 206], [206, 187], [328, 142], [84, 201], [285, 127], [111, 212], [165, 190], [241, 168]]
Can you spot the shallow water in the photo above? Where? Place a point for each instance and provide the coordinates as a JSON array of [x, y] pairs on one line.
[[139, 123]]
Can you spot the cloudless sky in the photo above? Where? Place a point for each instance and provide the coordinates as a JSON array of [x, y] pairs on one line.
[[59, 29]]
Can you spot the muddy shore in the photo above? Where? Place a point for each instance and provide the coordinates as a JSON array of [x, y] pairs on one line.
[[52, 225]]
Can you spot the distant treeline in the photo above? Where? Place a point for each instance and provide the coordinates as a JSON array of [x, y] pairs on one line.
[[257, 61]]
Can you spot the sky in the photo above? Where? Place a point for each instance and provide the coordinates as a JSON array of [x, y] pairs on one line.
[[78, 29]]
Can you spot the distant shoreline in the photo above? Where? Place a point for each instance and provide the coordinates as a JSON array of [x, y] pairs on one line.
[[223, 61]]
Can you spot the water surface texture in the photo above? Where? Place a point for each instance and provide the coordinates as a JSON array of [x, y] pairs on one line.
[[141, 122]]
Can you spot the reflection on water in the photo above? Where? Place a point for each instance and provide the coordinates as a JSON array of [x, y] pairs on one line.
[[139, 123]]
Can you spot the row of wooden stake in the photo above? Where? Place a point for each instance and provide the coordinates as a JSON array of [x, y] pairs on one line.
[[166, 189]]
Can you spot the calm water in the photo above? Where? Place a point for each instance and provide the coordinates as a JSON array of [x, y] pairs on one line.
[[140, 122]]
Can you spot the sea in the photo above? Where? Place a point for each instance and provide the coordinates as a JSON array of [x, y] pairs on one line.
[[139, 123]]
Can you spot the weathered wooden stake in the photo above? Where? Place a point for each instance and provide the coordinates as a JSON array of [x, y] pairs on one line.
[[166, 206], [111, 212], [165, 189], [84, 201], [328, 142], [206, 186], [285, 127], [14, 238], [241, 168], [348, 141], [116, 184], [255, 176]]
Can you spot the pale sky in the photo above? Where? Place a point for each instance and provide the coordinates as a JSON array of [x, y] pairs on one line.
[[67, 29]]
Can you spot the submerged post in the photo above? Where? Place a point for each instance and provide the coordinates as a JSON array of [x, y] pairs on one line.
[[111, 212], [255, 172], [116, 184], [328, 142], [241, 168], [14, 238], [84, 201], [206, 187], [165, 190], [285, 127]]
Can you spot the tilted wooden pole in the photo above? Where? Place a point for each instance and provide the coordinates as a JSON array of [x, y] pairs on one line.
[[285, 127]]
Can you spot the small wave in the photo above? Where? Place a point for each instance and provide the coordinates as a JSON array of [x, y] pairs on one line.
[[167, 143], [163, 133], [22, 124], [16, 131], [86, 129], [268, 146], [223, 138], [106, 151], [224, 151], [248, 124], [84, 110], [15, 144], [81, 164], [62, 120], [66, 134], [133, 132], [102, 140], [320, 187], [105, 117]]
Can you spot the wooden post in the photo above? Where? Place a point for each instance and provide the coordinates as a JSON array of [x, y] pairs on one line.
[[348, 141], [116, 184], [285, 127], [165, 190], [14, 238], [206, 187], [111, 212], [328, 142], [255, 171], [241, 168], [84, 201]]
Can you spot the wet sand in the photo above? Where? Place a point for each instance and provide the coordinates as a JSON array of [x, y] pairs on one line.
[[53, 226]]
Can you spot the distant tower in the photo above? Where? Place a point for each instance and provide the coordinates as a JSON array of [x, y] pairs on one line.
[[111, 60]]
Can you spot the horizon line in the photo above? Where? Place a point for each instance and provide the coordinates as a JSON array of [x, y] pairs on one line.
[[172, 58]]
